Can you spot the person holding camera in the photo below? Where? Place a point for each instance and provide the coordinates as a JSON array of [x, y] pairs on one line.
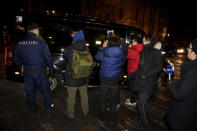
[[111, 57], [133, 58], [182, 111]]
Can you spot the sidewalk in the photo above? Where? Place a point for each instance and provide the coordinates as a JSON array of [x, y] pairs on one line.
[[15, 116]]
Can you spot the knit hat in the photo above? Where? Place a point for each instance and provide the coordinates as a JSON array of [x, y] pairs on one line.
[[78, 36], [194, 45], [32, 26]]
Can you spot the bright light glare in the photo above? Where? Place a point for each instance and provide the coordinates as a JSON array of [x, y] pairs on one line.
[[181, 50], [98, 42], [163, 52], [50, 37], [87, 44], [61, 58], [53, 11], [17, 73], [125, 76], [62, 49]]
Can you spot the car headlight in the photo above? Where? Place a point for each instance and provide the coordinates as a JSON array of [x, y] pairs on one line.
[[180, 50]]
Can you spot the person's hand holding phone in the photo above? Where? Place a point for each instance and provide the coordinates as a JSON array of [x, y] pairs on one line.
[[105, 43]]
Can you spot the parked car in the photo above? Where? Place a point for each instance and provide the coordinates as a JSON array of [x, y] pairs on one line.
[[56, 31]]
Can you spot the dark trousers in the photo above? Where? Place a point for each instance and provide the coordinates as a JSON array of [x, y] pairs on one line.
[[112, 92], [118, 96], [34, 82], [133, 94], [142, 107]]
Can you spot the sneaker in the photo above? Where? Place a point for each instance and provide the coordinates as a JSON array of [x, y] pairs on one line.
[[68, 116], [85, 114], [101, 121], [111, 122], [50, 113], [127, 100], [128, 103], [117, 107], [108, 109]]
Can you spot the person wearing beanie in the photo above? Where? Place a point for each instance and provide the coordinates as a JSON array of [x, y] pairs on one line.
[[181, 114], [78, 36], [74, 84]]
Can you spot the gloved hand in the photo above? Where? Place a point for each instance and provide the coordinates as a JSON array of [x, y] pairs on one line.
[[143, 76], [169, 82], [51, 74]]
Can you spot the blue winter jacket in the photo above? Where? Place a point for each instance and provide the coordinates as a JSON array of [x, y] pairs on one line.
[[111, 61], [32, 53]]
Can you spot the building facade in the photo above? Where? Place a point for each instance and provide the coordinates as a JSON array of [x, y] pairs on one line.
[[148, 15]]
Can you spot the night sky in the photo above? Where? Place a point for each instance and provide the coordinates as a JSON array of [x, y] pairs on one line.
[[183, 21], [182, 14]]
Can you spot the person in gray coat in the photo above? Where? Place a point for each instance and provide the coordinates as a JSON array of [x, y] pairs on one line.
[[182, 111]]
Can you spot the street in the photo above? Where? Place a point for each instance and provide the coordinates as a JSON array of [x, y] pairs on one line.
[[15, 116]]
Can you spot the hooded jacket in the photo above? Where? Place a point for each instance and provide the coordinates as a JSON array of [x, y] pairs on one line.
[[78, 44], [133, 58], [111, 61]]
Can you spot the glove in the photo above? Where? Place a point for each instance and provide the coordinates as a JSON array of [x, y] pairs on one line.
[[51, 74], [143, 76], [169, 83]]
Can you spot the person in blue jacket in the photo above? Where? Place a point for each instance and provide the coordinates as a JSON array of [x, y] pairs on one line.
[[33, 54], [111, 57]]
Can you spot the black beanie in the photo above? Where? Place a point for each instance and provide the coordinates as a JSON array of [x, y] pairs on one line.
[[194, 45], [32, 26]]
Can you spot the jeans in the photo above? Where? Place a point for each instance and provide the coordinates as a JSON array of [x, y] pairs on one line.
[[112, 90], [142, 107]]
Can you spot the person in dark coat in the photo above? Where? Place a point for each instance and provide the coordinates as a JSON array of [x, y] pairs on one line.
[[111, 57], [182, 111], [146, 76], [75, 84], [160, 45], [33, 53]]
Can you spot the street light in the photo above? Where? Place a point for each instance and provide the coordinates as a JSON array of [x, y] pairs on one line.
[[53, 12]]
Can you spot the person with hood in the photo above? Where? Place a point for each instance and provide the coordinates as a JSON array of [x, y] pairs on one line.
[[74, 84], [181, 114], [133, 58], [111, 57], [146, 77]]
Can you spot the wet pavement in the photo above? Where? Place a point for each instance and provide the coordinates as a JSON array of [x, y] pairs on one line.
[[15, 116]]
